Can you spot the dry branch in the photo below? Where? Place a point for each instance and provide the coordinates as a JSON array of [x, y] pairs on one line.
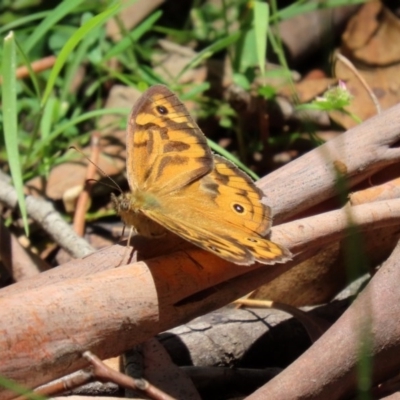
[[311, 179], [91, 305], [253, 337], [109, 311], [20, 263], [47, 217], [372, 317], [106, 374], [75, 397], [37, 66], [159, 369], [84, 197]]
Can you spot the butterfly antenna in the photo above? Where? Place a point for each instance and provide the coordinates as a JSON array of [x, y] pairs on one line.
[[100, 170]]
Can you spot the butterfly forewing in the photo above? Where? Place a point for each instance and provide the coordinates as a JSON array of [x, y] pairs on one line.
[[167, 148]]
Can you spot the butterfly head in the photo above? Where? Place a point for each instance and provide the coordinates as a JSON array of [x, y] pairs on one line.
[[130, 208]]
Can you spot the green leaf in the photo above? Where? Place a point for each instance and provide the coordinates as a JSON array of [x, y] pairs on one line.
[[209, 51], [75, 121], [261, 16], [303, 7], [32, 74], [133, 36], [241, 80], [47, 119], [217, 148], [72, 43], [267, 91], [58, 13], [195, 91], [10, 121], [21, 390], [23, 20], [246, 51]]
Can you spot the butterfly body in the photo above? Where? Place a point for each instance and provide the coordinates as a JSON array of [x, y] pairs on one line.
[[130, 207], [178, 184]]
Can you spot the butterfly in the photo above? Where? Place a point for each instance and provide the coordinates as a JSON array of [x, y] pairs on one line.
[[177, 183]]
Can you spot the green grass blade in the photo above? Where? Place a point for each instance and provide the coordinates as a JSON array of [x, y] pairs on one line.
[[220, 150], [133, 36], [209, 51], [261, 17], [47, 119], [305, 6], [75, 121], [18, 389], [10, 121], [56, 15], [32, 75], [23, 20], [195, 91], [72, 43], [72, 67]]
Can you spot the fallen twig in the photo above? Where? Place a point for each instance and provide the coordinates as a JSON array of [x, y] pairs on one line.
[[45, 215]]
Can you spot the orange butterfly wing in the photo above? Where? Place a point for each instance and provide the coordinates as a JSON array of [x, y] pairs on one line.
[[177, 182]]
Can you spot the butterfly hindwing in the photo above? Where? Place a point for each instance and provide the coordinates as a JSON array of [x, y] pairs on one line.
[[222, 212]]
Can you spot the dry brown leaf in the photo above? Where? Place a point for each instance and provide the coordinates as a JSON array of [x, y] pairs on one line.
[[372, 35], [384, 82], [308, 88], [173, 58], [303, 34], [372, 42], [19, 261]]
